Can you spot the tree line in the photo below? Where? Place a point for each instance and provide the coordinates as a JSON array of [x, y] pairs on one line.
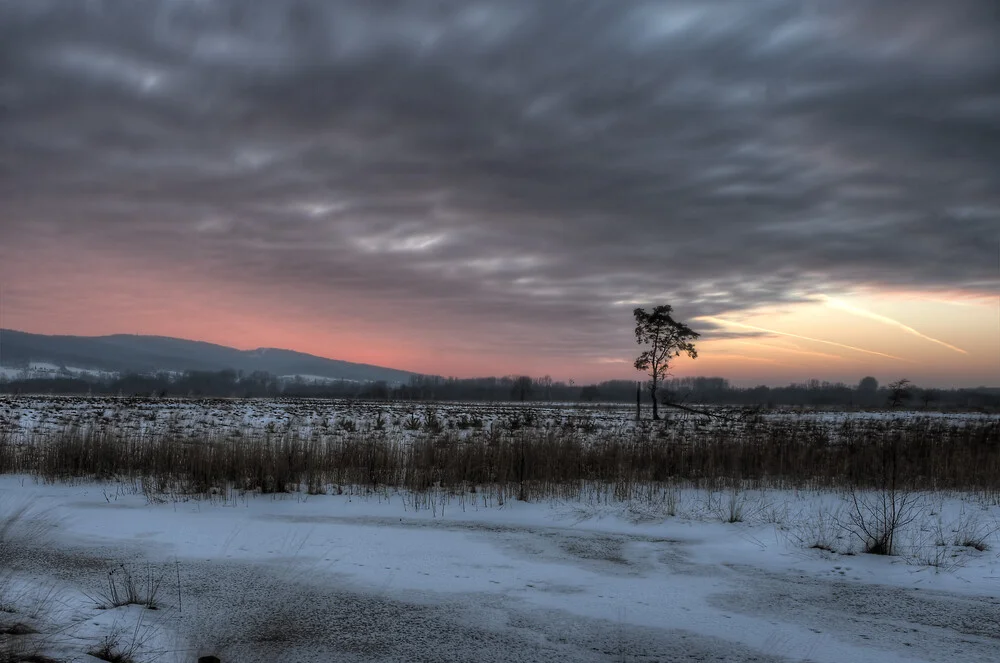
[[662, 338], [867, 393]]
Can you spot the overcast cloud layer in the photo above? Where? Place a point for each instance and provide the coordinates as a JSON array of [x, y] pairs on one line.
[[520, 162]]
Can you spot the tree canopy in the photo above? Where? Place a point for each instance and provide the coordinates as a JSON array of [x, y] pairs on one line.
[[665, 339]]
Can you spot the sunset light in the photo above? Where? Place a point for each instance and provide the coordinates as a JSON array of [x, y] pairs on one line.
[[419, 198], [493, 331]]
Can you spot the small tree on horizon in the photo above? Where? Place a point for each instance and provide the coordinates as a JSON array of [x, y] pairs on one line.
[[522, 387], [868, 385], [666, 339], [867, 391], [899, 392]]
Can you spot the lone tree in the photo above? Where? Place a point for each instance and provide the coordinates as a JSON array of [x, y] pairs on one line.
[[868, 385], [665, 339], [867, 391]]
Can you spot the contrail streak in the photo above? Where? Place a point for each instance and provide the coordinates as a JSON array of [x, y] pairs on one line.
[[844, 306], [804, 338], [762, 360], [792, 350]]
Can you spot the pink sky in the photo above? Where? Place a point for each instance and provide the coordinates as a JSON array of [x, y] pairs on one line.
[[59, 291], [491, 190]]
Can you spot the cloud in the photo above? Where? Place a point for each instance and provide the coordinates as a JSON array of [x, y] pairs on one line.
[[510, 168], [884, 319], [742, 325]]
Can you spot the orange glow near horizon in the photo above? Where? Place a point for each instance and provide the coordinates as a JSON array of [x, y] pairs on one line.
[[889, 334], [950, 339]]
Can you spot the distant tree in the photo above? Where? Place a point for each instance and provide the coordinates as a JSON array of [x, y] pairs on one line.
[[868, 385], [590, 393], [665, 339], [378, 390], [522, 388], [867, 392], [928, 396], [899, 392], [545, 384]]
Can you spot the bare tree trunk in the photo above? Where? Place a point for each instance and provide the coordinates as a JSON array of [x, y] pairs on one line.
[[652, 393]]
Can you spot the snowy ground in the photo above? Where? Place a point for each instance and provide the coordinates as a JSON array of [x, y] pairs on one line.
[[336, 578], [195, 418], [43, 370]]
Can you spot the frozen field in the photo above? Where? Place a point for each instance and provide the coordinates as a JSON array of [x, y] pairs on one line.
[[337, 578], [24, 415], [489, 532]]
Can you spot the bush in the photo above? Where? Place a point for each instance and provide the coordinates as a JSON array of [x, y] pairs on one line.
[[876, 519]]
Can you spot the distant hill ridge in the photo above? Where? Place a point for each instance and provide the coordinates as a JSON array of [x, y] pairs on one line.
[[125, 353]]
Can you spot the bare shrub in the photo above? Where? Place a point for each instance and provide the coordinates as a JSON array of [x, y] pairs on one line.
[[772, 514], [736, 504], [948, 547], [125, 587], [934, 552], [822, 532], [121, 645], [412, 422], [671, 501], [969, 531], [128, 643], [877, 518], [655, 506], [22, 648]]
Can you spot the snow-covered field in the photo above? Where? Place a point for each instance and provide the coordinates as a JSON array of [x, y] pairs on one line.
[[195, 418], [393, 577], [382, 574], [43, 370]]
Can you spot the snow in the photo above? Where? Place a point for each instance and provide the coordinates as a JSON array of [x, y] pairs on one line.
[[313, 379], [43, 370], [435, 577], [194, 418]]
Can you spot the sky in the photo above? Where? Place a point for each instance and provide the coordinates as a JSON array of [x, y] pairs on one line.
[[489, 187]]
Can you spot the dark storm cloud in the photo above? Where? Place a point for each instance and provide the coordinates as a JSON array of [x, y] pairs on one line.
[[535, 163]]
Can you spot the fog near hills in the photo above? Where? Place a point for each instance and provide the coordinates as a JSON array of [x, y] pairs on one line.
[[125, 353]]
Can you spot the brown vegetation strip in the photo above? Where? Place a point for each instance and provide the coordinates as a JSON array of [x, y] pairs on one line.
[[532, 463]]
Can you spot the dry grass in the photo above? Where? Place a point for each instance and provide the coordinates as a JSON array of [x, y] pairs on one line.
[[514, 460], [123, 645], [127, 587]]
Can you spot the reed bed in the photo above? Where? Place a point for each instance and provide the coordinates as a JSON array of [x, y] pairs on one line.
[[528, 463]]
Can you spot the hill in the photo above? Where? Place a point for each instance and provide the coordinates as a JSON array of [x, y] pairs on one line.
[[124, 353]]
